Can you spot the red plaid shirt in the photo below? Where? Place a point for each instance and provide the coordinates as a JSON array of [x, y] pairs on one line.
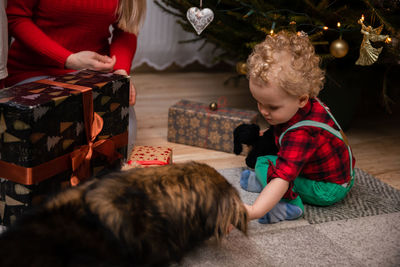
[[310, 152]]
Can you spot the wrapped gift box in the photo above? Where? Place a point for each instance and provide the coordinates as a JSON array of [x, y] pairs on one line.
[[43, 121], [16, 198], [147, 156], [195, 124]]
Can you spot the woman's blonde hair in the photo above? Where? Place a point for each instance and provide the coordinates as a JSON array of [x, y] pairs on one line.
[[131, 14], [304, 76]]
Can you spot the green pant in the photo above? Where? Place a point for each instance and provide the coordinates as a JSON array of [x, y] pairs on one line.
[[318, 193]]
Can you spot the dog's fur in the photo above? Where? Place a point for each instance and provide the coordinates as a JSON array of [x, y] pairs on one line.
[[149, 216], [249, 134]]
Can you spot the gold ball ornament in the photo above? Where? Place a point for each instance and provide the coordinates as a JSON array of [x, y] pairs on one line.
[[213, 106], [339, 48], [241, 68]]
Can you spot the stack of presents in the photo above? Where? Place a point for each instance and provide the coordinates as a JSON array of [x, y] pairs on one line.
[[60, 131]]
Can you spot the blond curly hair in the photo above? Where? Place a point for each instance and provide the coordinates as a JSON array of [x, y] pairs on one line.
[[302, 77]]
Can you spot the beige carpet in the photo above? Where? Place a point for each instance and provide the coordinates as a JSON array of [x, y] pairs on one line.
[[368, 237]]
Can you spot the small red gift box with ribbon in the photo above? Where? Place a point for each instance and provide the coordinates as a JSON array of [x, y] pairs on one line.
[[59, 131], [147, 156], [207, 126]]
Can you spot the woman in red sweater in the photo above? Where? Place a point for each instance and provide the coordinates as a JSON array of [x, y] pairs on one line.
[[57, 37], [3, 44]]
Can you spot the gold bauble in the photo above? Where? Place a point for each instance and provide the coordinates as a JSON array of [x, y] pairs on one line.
[[339, 48], [213, 106], [241, 68]]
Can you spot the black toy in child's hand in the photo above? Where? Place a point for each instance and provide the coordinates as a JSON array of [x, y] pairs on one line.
[[249, 134]]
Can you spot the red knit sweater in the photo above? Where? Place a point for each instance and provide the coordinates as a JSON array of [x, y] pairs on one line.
[[46, 32]]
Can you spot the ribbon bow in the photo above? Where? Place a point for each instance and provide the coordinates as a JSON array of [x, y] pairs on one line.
[[81, 157]]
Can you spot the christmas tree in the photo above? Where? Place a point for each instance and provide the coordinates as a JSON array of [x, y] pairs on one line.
[[332, 25], [238, 24]]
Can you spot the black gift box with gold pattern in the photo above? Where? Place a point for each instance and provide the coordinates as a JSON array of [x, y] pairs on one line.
[[40, 122], [193, 123]]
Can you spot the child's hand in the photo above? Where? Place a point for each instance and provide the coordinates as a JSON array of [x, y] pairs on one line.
[[230, 228]]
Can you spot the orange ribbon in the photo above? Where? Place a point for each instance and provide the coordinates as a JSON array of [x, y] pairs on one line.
[[80, 158], [39, 173]]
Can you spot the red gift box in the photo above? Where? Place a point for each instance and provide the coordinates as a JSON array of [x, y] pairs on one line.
[[146, 156]]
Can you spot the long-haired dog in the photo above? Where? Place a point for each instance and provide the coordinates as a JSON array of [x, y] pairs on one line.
[[144, 216]]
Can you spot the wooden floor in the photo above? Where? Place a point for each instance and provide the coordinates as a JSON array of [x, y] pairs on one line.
[[374, 136]]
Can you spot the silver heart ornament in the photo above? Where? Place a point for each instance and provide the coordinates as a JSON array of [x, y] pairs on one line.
[[199, 18]]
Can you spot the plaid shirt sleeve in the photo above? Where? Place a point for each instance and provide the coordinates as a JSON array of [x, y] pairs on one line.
[[310, 152], [297, 148]]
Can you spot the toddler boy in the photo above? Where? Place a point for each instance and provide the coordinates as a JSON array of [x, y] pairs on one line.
[[314, 163]]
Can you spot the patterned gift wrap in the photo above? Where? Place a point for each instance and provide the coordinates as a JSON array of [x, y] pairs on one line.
[[110, 98], [195, 124], [40, 122], [146, 156], [16, 198]]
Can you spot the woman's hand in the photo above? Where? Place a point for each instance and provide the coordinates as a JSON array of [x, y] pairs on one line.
[[90, 60], [132, 90]]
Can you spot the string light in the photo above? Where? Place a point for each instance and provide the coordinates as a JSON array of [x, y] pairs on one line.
[[272, 28], [272, 15], [388, 40]]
